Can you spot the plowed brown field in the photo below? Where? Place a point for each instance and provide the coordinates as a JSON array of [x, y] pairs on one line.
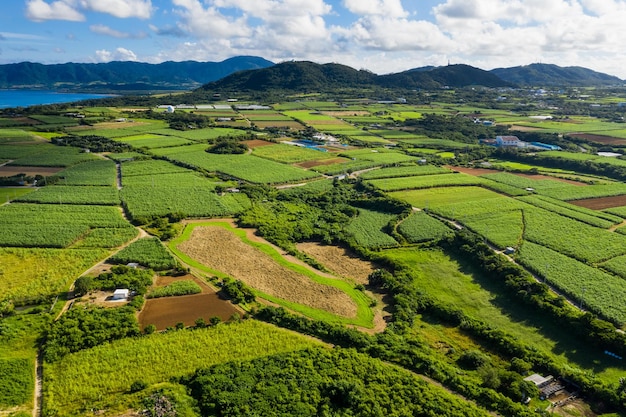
[[221, 250], [167, 311], [601, 203], [9, 171]]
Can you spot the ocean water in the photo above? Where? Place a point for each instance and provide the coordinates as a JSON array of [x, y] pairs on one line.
[[25, 98]]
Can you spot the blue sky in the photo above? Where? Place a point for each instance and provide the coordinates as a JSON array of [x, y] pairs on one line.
[[379, 35]]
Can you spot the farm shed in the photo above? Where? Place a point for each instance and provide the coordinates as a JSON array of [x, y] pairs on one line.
[[539, 381], [120, 294]]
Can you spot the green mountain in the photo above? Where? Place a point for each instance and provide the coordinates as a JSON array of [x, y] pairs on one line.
[[552, 75], [309, 76], [452, 76], [123, 75]]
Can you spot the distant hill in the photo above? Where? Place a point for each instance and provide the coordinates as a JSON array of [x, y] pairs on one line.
[[553, 75], [309, 76], [295, 75], [452, 76], [124, 75]]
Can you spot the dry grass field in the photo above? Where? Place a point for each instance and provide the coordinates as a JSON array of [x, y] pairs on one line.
[[221, 250]]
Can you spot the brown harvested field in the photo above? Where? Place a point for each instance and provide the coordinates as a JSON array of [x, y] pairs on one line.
[[549, 177], [167, 311], [601, 203], [257, 143], [339, 260], [606, 140], [8, 171], [222, 250], [525, 128], [311, 164], [482, 171]]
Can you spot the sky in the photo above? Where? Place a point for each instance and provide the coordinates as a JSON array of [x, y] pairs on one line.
[[382, 36]]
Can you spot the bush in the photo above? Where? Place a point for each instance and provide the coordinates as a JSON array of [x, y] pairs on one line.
[[138, 386]]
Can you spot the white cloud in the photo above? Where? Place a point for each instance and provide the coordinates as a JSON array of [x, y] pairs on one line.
[[288, 26], [408, 35], [141, 9], [72, 10], [39, 10], [388, 8], [208, 22], [120, 54], [107, 31]]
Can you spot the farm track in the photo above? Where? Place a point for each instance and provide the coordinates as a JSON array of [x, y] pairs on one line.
[[616, 226], [38, 395]]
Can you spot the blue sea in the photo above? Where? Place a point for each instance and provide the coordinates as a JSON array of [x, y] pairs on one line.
[[25, 98]]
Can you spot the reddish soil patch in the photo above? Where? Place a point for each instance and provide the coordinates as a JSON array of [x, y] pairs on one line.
[[167, 311], [311, 164], [548, 177], [8, 171], [26, 121], [601, 203], [608, 140], [257, 143]]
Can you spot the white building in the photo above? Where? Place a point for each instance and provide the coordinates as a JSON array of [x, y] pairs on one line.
[[120, 294], [509, 141]]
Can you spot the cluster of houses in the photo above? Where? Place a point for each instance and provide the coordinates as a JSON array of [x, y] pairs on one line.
[[515, 142]]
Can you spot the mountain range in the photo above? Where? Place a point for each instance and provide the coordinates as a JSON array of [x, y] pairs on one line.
[[124, 75], [249, 73]]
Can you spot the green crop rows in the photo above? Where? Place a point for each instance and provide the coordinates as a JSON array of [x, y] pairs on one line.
[[246, 167], [148, 252], [61, 194], [98, 172], [427, 181], [290, 154], [596, 290], [420, 227], [367, 229]]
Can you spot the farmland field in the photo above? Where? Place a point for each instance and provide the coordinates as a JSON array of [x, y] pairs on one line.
[[420, 227], [98, 172], [404, 171], [270, 274], [106, 372], [290, 154], [340, 261], [168, 311], [367, 229], [51, 271], [599, 291], [426, 181], [62, 194], [148, 252], [8, 194], [246, 167]]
